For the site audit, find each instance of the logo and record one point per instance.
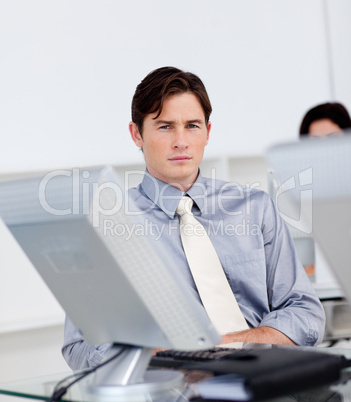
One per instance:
(293, 199)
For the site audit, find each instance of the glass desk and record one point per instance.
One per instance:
(41, 388)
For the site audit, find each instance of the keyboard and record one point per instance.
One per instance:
(176, 358)
(269, 372)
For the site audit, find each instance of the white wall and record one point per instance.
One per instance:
(29, 354)
(338, 24)
(68, 70)
(20, 357)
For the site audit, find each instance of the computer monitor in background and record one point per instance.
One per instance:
(91, 246)
(314, 177)
(309, 253)
(301, 236)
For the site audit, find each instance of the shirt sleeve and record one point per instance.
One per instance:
(77, 353)
(295, 308)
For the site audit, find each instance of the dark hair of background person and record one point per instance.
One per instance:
(335, 112)
(151, 93)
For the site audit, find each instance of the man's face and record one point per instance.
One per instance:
(173, 144)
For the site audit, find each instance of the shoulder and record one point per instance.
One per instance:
(134, 192)
(244, 200)
(231, 189)
(138, 199)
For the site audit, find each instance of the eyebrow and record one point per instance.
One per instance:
(200, 121)
(170, 122)
(163, 122)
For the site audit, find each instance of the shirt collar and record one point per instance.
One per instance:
(167, 197)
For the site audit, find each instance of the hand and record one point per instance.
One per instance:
(158, 350)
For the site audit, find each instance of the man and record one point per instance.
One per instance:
(170, 123)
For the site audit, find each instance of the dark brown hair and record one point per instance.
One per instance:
(151, 93)
(335, 112)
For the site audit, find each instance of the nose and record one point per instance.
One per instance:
(180, 139)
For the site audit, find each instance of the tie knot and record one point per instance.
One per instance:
(184, 206)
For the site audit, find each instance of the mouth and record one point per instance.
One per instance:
(180, 158)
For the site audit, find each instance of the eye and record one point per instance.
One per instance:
(165, 127)
(193, 125)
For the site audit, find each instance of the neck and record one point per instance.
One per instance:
(183, 184)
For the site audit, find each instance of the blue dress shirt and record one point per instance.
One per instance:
(253, 245)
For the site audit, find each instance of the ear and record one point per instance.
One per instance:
(136, 136)
(209, 125)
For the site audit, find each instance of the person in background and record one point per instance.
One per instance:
(324, 120)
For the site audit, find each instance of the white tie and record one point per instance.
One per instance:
(211, 282)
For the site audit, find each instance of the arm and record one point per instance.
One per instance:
(295, 308)
(258, 335)
(77, 353)
(270, 283)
